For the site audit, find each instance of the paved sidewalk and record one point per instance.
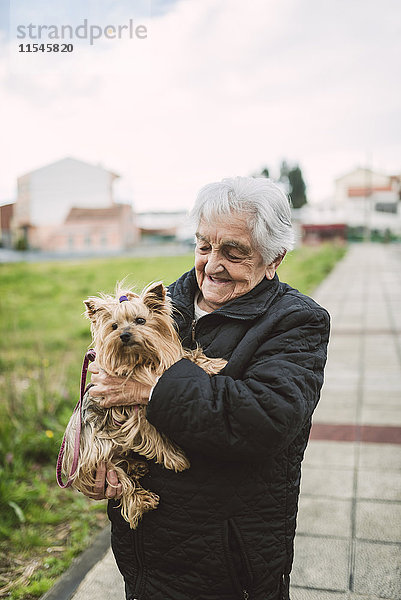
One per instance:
(348, 543)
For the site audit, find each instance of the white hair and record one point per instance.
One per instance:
(265, 204)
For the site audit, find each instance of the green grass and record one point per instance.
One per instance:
(305, 268)
(44, 337)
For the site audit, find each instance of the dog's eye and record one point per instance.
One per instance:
(140, 321)
(114, 326)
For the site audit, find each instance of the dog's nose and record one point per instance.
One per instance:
(125, 337)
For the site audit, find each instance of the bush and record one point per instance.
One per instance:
(21, 244)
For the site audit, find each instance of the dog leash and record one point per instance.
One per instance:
(89, 357)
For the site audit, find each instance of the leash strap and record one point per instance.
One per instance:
(89, 357)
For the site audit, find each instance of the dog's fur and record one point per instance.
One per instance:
(133, 339)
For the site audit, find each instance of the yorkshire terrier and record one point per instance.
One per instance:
(133, 337)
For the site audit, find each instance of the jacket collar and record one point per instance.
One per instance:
(249, 306)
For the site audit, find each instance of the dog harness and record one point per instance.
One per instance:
(89, 357)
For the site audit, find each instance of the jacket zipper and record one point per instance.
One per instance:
(193, 327)
(232, 529)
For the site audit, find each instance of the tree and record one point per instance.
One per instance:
(292, 178)
(293, 182)
(297, 187)
(263, 173)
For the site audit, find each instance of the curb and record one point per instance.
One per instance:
(65, 587)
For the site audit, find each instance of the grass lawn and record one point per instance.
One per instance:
(44, 337)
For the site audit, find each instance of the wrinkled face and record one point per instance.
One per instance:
(226, 263)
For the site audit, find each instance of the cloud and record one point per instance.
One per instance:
(217, 89)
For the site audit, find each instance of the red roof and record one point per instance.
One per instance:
(340, 227)
(96, 214)
(354, 192)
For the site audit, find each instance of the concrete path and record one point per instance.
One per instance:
(348, 543)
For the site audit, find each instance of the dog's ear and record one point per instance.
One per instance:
(93, 305)
(154, 296)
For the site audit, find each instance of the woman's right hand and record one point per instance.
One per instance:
(110, 390)
(106, 485)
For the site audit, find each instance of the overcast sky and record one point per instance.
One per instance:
(218, 88)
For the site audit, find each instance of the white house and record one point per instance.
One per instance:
(46, 196)
(363, 199)
(369, 199)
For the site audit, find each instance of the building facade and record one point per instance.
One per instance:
(370, 200)
(49, 199)
(95, 230)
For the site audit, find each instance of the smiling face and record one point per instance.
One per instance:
(226, 263)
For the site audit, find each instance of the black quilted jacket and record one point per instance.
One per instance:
(224, 529)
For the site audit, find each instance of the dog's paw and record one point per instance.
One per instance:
(176, 462)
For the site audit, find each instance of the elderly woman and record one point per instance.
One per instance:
(225, 527)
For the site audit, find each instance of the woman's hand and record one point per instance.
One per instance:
(106, 485)
(109, 390)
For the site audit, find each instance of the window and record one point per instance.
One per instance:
(386, 207)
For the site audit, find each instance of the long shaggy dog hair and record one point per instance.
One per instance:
(134, 337)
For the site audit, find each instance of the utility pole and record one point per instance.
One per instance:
(368, 200)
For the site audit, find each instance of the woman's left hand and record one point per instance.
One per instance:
(109, 390)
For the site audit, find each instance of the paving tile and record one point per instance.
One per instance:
(376, 365)
(379, 485)
(385, 386)
(336, 380)
(380, 456)
(323, 516)
(331, 454)
(386, 344)
(344, 359)
(363, 597)
(332, 397)
(103, 581)
(380, 521)
(321, 563)
(375, 399)
(333, 414)
(387, 374)
(352, 596)
(340, 342)
(378, 570)
(306, 594)
(318, 481)
(380, 416)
